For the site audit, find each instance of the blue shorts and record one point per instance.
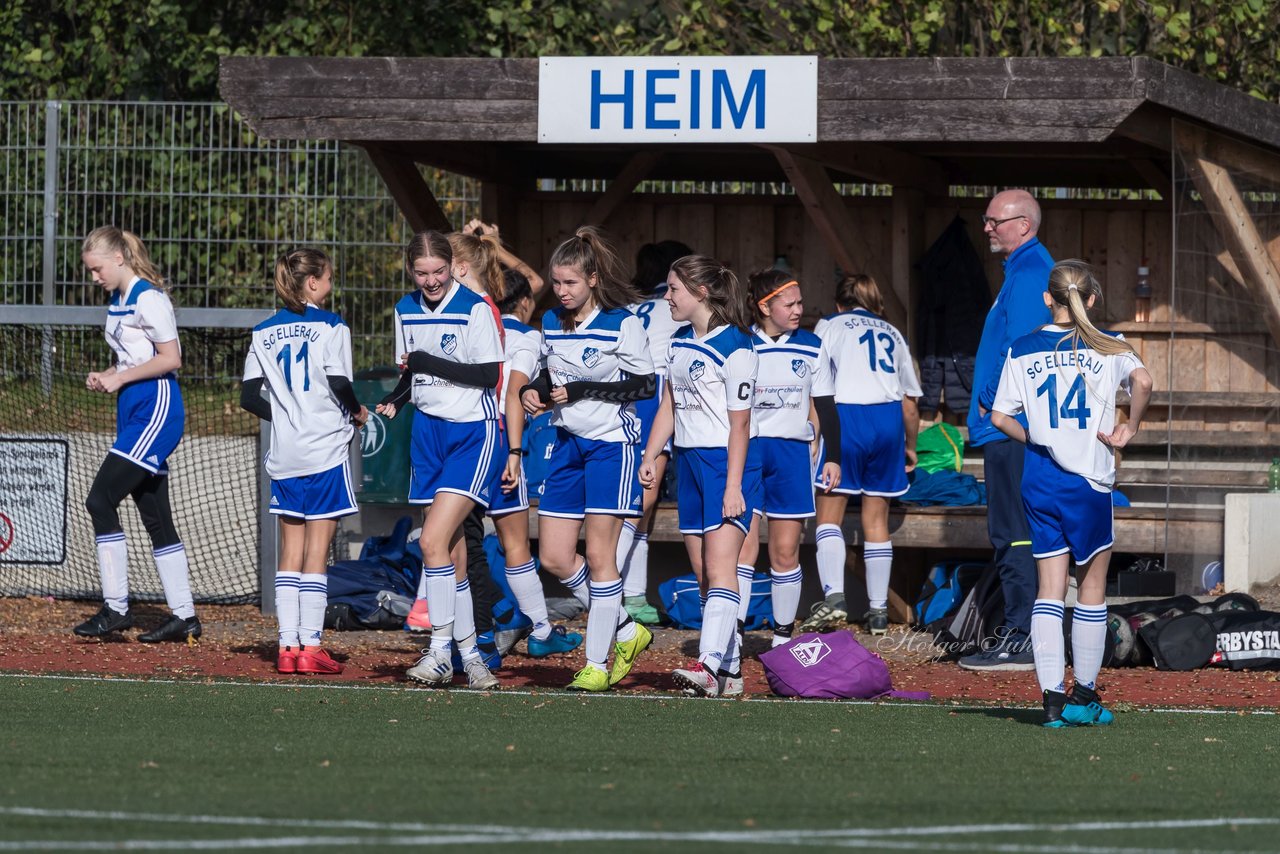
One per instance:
(149, 421)
(449, 456)
(700, 482)
(873, 450)
(590, 476)
(326, 495)
(647, 410)
(1065, 513)
(501, 503)
(786, 475)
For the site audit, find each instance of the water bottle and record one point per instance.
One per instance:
(1273, 476)
(1142, 295)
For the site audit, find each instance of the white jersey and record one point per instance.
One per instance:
(707, 379)
(784, 385)
(655, 314)
(523, 347)
(296, 354)
(868, 360)
(138, 318)
(462, 329)
(1068, 398)
(608, 346)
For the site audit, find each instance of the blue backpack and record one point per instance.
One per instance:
(945, 588)
(683, 604)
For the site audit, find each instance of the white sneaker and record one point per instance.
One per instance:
(697, 680)
(478, 676)
(434, 668)
(731, 686)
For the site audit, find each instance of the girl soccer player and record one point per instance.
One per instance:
(143, 334)
(790, 368)
(653, 263)
(1062, 379)
(453, 359)
(711, 371)
(874, 382)
(597, 366)
(510, 505)
(302, 354)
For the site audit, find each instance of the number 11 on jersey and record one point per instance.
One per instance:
(286, 366)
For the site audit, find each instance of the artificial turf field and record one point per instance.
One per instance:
(93, 764)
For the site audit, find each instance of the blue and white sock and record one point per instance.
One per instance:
(784, 588)
(831, 559)
(464, 621)
(113, 568)
(626, 626)
(442, 595)
(1047, 643)
(1088, 642)
(287, 584)
(635, 575)
(626, 536)
(746, 578)
(313, 596)
(527, 587)
(719, 621)
(602, 620)
(577, 584)
(175, 578)
(878, 558)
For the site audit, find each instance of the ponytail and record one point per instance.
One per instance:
(292, 271)
(590, 252)
(108, 238)
(1071, 283)
(720, 289)
(860, 291)
(480, 252)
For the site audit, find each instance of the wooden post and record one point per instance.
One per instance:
(409, 190)
(500, 205)
(908, 246)
(827, 210)
(636, 170)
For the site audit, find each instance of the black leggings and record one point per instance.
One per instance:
(119, 477)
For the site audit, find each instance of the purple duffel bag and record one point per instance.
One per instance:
(829, 666)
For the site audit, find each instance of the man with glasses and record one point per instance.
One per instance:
(1010, 224)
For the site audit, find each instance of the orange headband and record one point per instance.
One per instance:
(763, 303)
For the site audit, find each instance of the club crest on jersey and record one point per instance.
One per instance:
(590, 356)
(800, 367)
(696, 369)
(448, 343)
(811, 652)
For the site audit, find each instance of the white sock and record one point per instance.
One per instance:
(831, 559)
(527, 587)
(878, 558)
(719, 622)
(113, 567)
(635, 580)
(602, 620)
(626, 536)
(785, 589)
(171, 563)
(577, 584)
(1046, 641)
(626, 627)
(1088, 642)
(441, 594)
(287, 584)
(464, 621)
(313, 596)
(422, 584)
(746, 579)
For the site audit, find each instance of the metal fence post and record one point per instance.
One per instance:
(268, 530)
(52, 113)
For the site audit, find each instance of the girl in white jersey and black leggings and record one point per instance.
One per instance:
(1057, 395)
(596, 366)
(450, 343)
(143, 335)
(711, 369)
(302, 355)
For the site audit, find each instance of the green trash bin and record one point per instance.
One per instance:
(384, 443)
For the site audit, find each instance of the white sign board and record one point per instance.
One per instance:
(678, 99)
(33, 500)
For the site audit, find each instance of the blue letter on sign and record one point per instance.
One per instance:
(652, 98)
(625, 99)
(722, 94)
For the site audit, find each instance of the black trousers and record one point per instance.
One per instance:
(118, 478)
(484, 592)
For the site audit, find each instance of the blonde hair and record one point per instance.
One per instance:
(292, 271)
(1071, 283)
(723, 293)
(860, 291)
(108, 238)
(480, 253)
(589, 251)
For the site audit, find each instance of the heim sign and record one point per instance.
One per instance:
(678, 99)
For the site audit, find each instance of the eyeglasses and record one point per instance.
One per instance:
(996, 223)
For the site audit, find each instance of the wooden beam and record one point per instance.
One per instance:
(907, 247)
(409, 190)
(826, 209)
(1257, 163)
(880, 164)
(1233, 222)
(1155, 176)
(636, 170)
